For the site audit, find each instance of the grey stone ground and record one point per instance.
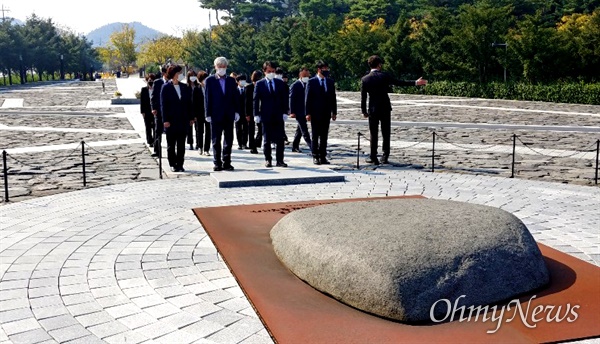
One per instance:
(128, 262)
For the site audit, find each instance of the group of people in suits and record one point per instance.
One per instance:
(218, 104)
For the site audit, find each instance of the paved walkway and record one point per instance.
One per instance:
(130, 263)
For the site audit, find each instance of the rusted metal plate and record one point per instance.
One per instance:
(294, 312)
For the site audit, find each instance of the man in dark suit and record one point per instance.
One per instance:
(298, 109)
(241, 126)
(271, 110)
(176, 109)
(146, 109)
(253, 142)
(155, 104)
(221, 103)
(376, 85)
(321, 108)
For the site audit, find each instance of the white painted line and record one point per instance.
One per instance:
(69, 130)
(98, 104)
(342, 100)
(498, 108)
(24, 150)
(12, 103)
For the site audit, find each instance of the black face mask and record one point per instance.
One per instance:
(325, 73)
(150, 83)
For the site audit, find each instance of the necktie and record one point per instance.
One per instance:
(323, 85)
(271, 86)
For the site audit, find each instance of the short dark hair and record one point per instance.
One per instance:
(269, 64)
(321, 64)
(202, 75)
(279, 71)
(163, 69)
(150, 77)
(240, 77)
(172, 70)
(256, 75)
(375, 61)
(303, 68)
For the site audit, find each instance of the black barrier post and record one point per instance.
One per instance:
(5, 170)
(358, 153)
(160, 157)
(83, 161)
(433, 154)
(597, 156)
(512, 174)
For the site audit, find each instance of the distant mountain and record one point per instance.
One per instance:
(101, 36)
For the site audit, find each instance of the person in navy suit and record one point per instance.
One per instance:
(146, 108)
(255, 141)
(298, 109)
(241, 126)
(376, 86)
(155, 105)
(271, 110)
(176, 109)
(321, 108)
(221, 104)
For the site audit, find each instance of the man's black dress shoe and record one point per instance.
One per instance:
(268, 164)
(228, 167)
(174, 169)
(316, 161)
(281, 164)
(217, 168)
(325, 161)
(372, 161)
(296, 150)
(253, 151)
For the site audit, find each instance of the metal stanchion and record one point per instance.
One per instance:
(512, 174)
(433, 154)
(5, 170)
(597, 157)
(358, 153)
(83, 162)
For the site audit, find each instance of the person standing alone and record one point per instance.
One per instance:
(298, 109)
(376, 86)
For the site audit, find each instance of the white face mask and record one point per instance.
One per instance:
(279, 76)
(193, 79)
(243, 83)
(305, 79)
(221, 71)
(270, 76)
(180, 78)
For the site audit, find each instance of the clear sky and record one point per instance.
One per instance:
(85, 16)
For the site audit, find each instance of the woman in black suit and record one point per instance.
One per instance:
(176, 106)
(146, 109)
(200, 114)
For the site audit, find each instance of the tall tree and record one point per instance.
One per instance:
(123, 42)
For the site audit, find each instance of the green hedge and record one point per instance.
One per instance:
(577, 93)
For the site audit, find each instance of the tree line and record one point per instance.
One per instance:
(39, 48)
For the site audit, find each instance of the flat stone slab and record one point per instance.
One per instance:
(124, 101)
(398, 258)
(275, 176)
(12, 103)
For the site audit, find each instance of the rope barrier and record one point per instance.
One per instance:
(560, 156)
(471, 148)
(54, 163)
(115, 156)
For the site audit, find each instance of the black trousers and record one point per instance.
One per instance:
(273, 132)
(222, 130)
(251, 131)
(386, 124)
(158, 131)
(176, 148)
(259, 135)
(241, 131)
(320, 133)
(302, 132)
(190, 135)
(207, 138)
(149, 124)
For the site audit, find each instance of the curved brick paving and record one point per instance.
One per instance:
(130, 263)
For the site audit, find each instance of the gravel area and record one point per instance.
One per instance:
(90, 121)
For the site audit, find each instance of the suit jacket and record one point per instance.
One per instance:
(271, 107)
(145, 106)
(297, 99)
(198, 103)
(177, 111)
(249, 101)
(376, 85)
(155, 97)
(243, 97)
(320, 104)
(218, 106)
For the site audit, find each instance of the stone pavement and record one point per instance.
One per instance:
(130, 263)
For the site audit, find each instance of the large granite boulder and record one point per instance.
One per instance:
(396, 258)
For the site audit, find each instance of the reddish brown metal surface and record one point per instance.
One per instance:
(294, 312)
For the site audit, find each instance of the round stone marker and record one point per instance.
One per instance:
(396, 258)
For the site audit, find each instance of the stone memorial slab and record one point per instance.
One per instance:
(275, 176)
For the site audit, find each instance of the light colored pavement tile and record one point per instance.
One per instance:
(66, 334)
(33, 336)
(128, 337)
(95, 318)
(19, 326)
(58, 322)
(162, 310)
(224, 317)
(15, 314)
(49, 312)
(107, 329)
(184, 300)
(180, 337)
(89, 339)
(180, 319)
(152, 331)
(203, 328)
(123, 310)
(137, 320)
(148, 300)
(237, 332)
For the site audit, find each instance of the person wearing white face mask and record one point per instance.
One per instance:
(241, 126)
(176, 106)
(202, 126)
(298, 110)
(222, 107)
(192, 82)
(271, 109)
